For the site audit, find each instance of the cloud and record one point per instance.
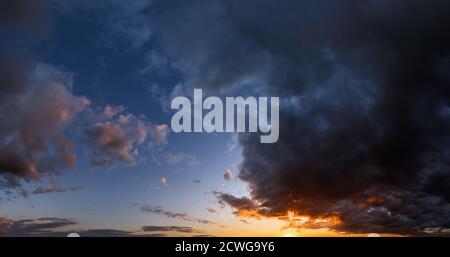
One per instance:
(60, 227)
(111, 233)
(366, 122)
(164, 96)
(111, 140)
(33, 227)
(228, 175)
(104, 233)
(203, 221)
(113, 135)
(170, 228)
(33, 122)
(233, 143)
(243, 206)
(212, 211)
(182, 159)
(161, 210)
(52, 226)
(159, 133)
(163, 181)
(36, 102)
(364, 109)
(54, 188)
(200, 67)
(4, 225)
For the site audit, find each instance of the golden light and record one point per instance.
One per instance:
(290, 232)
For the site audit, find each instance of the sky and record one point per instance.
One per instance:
(86, 144)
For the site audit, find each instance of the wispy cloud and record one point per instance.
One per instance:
(212, 211)
(181, 158)
(162, 211)
(54, 188)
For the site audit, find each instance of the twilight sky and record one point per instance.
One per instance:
(85, 140)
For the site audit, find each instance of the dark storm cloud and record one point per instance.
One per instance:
(365, 102)
(374, 125)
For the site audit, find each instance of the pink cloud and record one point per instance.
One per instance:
(228, 175)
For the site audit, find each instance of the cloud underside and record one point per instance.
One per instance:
(365, 91)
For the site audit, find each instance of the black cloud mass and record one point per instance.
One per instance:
(365, 103)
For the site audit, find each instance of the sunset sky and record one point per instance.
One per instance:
(85, 138)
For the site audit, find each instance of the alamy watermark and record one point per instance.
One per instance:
(212, 121)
